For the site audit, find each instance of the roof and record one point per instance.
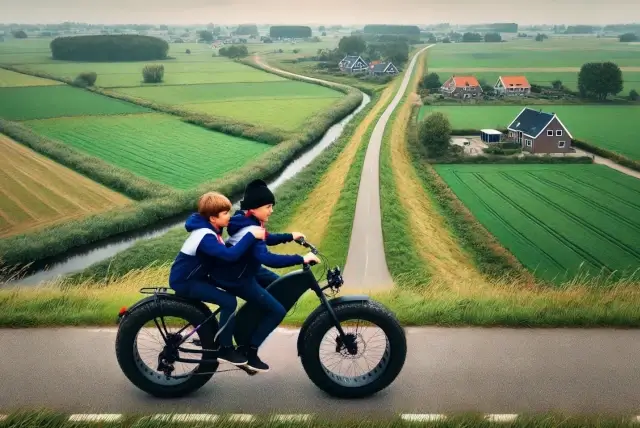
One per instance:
(462, 81)
(491, 131)
(515, 82)
(532, 122)
(351, 60)
(379, 66)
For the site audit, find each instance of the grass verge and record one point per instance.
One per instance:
(53, 419)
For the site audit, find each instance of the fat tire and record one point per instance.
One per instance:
(131, 325)
(366, 310)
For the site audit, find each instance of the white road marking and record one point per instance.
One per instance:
(89, 417)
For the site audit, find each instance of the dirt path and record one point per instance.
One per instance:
(366, 266)
(516, 69)
(611, 164)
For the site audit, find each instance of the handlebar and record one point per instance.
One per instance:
(334, 276)
(305, 244)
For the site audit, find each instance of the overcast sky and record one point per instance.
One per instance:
(321, 11)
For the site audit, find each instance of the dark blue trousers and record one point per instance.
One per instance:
(207, 292)
(265, 277)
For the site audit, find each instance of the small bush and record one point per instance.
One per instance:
(153, 73)
(188, 51)
(633, 95)
(87, 78)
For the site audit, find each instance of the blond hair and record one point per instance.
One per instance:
(212, 204)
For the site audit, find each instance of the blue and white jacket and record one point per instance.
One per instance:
(249, 263)
(205, 251)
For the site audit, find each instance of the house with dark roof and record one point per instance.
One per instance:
(353, 64)
(379, 68)
(512, 85)
(539, 132)
(461, 87)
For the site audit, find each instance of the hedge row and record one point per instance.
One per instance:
(526, 159)
(289, 31)
(622, 160)
(118, 179)
(56, 240)
(106, 48)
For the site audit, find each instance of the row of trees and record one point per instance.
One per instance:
(109, 48)
(629, 37)
(289, 31)
(396, 51)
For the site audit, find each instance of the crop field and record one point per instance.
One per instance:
(555, 218)
(284, 105)
(553, 52)
(41, 102)
(613, 127)
(37, 192)
(156, 146)
(11, 78)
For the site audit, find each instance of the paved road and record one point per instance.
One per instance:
(447, 370)
(366, 267)
(608, 162)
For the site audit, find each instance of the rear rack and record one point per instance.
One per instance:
(156, 290)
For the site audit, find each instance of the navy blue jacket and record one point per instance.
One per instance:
(245, 269)
(204, 251)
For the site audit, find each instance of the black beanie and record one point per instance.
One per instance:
(256, 195)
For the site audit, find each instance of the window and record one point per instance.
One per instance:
(529, 143)
(549, 132)
(561, 144)
(559, 133)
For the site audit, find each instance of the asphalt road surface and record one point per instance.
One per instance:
(366, 267)
(447, 370)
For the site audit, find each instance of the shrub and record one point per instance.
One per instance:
(234, 51)
(87, 78)
(153, 73)
(20, 34)
(434, 134)
(633, 95)
(108, 48)
(188, 51)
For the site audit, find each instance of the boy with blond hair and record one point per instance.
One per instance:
(203, 251)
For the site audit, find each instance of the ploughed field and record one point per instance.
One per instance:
(558, 220)
(156, 146)
(613, 127)
(36, 192)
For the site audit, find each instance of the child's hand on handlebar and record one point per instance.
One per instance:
(310, 257)
(259, 233)
(298, 235)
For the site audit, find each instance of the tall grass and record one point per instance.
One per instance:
(37, 418)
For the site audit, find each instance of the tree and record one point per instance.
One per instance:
(599, 79)
(629, 37)
(633, 95)
(324, 33)
(207, 36)
(153, 73)
(396, 52)
(492, 37)
(234, 51)
(557, 84)
(431, 81)
(20, 34)
(109, 48)
(471, 37)
(434, 134)
(540, 37)
(352, 45)
(322, 28)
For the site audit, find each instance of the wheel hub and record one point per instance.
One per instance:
(348, 347)
(169, 354)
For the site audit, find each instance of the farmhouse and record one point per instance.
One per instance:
(539, 132)
(353, 64)
(512, 85)
(461, 87)
(378, 68)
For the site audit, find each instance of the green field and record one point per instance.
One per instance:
(156, 146)
(612, 127)
(554, 218)
(42, 102)
(284, 105)
(11, 78)
(553, 52)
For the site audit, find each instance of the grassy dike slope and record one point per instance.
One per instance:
(463, 284)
